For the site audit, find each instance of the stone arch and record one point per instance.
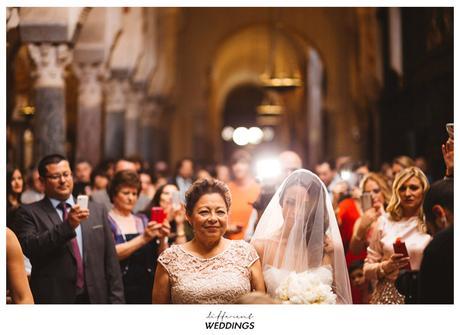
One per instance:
(242, 57)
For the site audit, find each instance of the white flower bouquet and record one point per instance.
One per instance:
(309, 287)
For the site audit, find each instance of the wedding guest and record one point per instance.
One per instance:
(360, 287)
(101, 196)
(167, 197)
(15, 187)
(404, 220)
(71, 248)
(183, 177)
(17, 282)
(137, 241)
(146, 193)
(82, 182)
(222, 173)
(99, 180)
(245, 191)
(400, 163)
(375, 185)
(436, 277)
(202, 173)
(34, 190)
(209, 269)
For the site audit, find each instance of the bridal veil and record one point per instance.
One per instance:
(298, 232)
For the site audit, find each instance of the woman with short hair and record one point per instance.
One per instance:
(209, 269)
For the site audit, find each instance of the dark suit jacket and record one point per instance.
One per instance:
(45, 240)
(436, 276)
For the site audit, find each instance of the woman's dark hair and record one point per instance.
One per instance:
(312, 187)
(9, 177)
(99, 171)
(157, 196)
(124, 178)
(206, 186)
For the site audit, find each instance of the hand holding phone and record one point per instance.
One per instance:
(399, 247)
(366, 201)
(157, 214)
(82, 201)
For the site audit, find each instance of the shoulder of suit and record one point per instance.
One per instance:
(95, 205)
(35, 205)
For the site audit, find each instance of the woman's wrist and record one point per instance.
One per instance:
(382, 272)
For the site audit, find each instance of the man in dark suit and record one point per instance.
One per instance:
(71, 248)
(436, 276)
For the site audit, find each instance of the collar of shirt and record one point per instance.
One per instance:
(56, 202)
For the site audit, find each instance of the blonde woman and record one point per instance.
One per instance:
(404, 220)
(377, 186)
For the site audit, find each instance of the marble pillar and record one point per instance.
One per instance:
(116, 90)
(149, 123)
(134, 102)
(50, 114)
(314, 124)
(89, 119)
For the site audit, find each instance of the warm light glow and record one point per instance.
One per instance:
(255, 135)
(227, 133)
(269, 134)
(241, 136)
(268, 168)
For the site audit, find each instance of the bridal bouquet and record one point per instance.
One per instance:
(309, 287)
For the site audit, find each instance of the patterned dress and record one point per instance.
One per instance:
(217, 280)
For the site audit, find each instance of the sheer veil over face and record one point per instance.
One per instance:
(298, 232)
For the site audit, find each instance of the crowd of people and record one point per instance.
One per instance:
(339, 233)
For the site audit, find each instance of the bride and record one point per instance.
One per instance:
(299, 244)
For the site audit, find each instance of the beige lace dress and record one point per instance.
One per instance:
(217, 280)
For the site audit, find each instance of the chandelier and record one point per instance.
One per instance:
(273, 78)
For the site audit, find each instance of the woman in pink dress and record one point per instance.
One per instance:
(209, 269)
(404, 220)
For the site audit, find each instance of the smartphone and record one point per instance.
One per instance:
(366, 201)
(175, 200)
(157, 214)
(82, 201)
(450, 130)
(399, 247)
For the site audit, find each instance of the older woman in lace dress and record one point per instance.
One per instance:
(208, 269)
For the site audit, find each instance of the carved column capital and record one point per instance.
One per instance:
(151, 113)
(50, 62)
(116, 90)
(90, 87)
(134, 102)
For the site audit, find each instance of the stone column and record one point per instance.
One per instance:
(89, 117)
(50, 117)
(134, 102)
(149, 123)
(116, 89)
(314, 76)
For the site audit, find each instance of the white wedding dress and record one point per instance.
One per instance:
(299, 244)
(274, 277)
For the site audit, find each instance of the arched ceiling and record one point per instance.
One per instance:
(244, 56)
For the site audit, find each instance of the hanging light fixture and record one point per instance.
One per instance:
(273, 78)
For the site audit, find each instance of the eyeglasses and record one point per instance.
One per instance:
(58, 176)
